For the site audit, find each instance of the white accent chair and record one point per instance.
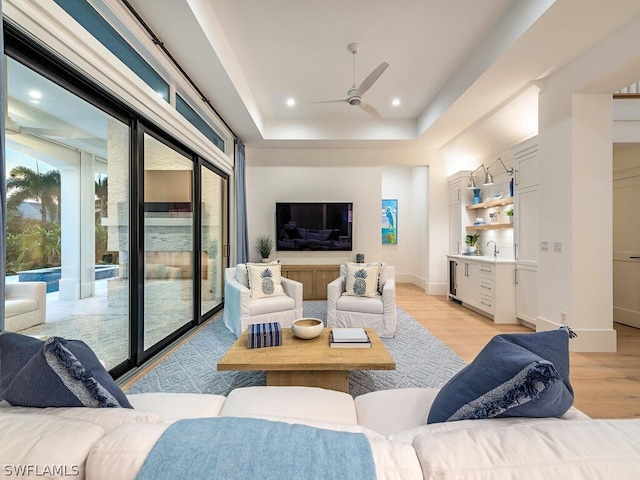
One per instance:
(379, 312)
(240, 310)
(25, 305)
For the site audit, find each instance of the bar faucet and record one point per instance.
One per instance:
(495, 248)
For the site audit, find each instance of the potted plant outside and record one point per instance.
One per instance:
(264, 246)
(472, 242)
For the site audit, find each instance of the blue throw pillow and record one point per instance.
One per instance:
(64, 373)
(15, 351)
(515, 375)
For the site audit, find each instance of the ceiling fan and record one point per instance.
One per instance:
(354, 95)
(12, 128)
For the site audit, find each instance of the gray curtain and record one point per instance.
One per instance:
(3, 175)
(241, 204)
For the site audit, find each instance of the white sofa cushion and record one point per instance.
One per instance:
(294, 402)
(351, 303)
(42, 443)
(536, 449)
(121, 453)
(262, 306)
(175, 406)
(107, 418)
(16, 306)
(393, 411)
(407, 436)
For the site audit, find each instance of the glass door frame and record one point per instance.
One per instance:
(50, 65)
(224, 248)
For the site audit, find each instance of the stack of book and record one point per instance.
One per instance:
(349, 338)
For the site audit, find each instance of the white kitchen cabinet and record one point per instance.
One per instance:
(485, 286)
(526, 238)
(467, 282)
(459, 196)
(527, 293)
(526, 241)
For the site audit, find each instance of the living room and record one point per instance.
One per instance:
(338, 155)
(397, 168)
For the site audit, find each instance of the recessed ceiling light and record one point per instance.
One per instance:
(35, 94)
(291, 102)
(395, 102)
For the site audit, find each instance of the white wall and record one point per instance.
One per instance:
(575, 145)
(407, 185)
(347, 175)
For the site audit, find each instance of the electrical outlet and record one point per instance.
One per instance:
(557, 246)
(544, 246)
(563, 318)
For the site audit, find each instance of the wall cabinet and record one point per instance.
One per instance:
(526, 238)
(459, 197)
(314, 278)
(485, 286)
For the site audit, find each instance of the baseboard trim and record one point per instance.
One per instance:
(587, 340)
(436, 289)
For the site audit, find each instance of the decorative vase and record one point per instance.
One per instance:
(476, 196)
(265, 260)
(472, 249)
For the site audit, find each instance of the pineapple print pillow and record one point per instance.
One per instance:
(362, 279)
(264, 280)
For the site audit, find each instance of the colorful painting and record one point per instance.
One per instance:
(389, 222)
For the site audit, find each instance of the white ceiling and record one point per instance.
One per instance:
(453, 64)
(465, 75)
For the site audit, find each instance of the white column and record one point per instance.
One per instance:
(70, 233)
(592, 166)
(575, 217)
(87, 226)
(78, 230)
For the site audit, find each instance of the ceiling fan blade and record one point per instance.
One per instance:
(342, 100)
(47, 132)
(370, 80)
(370, 110)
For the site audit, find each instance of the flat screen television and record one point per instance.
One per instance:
(314, 226)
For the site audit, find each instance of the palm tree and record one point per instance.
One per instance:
(25, 184)
(102, 192)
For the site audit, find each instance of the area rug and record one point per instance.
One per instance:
(421, 361)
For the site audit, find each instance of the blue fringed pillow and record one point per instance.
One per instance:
(15, 351)
(61, 373)
(515, 375)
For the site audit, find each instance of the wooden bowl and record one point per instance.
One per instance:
(307, 328)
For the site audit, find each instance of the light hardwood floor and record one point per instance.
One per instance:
(606, 385)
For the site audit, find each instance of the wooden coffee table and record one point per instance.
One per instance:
(311, 363)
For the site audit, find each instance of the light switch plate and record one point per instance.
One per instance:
(557, 246)
(544, 246)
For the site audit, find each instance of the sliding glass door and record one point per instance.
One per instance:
(121, 226)
(168, 240)
(213, 226)
(67, 166)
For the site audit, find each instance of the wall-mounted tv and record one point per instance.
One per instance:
(314, 226)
